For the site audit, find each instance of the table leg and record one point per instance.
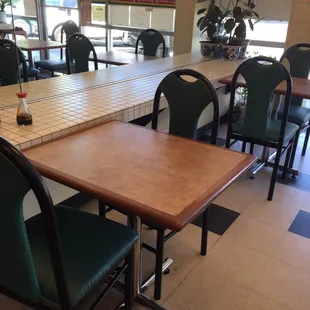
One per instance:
(135, 223)
(30, 60)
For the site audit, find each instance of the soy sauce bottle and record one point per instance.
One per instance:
(23, 116)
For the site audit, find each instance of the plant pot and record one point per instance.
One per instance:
(210, 49)
(230, 52)
(2, 17)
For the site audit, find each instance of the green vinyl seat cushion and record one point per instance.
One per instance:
(297, 114)
(273, 130)
(32, 72)
(51, 64)
(91, 248)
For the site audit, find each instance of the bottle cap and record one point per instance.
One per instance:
(21, 95)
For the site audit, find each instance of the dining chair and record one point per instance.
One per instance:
(78, 50)
(298, 58)
(151, 40)
(11, 58)
(53, 65)
(62, 257)
(262, 75)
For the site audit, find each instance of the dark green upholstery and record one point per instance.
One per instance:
(186, 100)
(9, 63)
(272, 131)
(297, 114)
(51, 64)
(261, 80)
(69, 27)
(91, 248)
(17, 272)
(59, 256)
(298, 57)
(151, 40)
(78, 49)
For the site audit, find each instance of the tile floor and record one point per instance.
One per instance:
(258, 261)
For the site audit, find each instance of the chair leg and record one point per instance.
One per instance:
(159, 262)
(295, 143)
(288, 157)
(102, 209)
(243, 147)
(204, 234)
(252, 148)
(304, 149)
(129, 282)
(274, 174)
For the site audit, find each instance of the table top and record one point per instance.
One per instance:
(160, 177)
(59, 116)
(301, 87)
(64, 85)
(34, 44)
(119, 58)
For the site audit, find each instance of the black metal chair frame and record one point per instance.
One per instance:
(21, 58)
(52, 236)
(279, 146)
(147, 31)
(304, 126)
(161, 237)
(88, 43)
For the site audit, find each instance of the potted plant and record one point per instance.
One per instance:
(211, 23)
(236, 27)
(3, 5)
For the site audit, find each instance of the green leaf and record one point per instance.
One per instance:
(211, 30)
(229, 25)
(251, 24)
(256, 14)
(200, 20)
(201, 11)
(204, 23)
(240, 32)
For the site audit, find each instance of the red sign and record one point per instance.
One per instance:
(166, 3)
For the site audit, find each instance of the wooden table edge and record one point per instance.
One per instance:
(175, 223)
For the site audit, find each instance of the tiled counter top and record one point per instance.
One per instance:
(38, 90)
(63, 115)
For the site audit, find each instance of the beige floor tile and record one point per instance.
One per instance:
(237, 262)
(306, 205)
(258, 302)
(206, 289)
(278, 214)
(295, 250)
(255, 234)
(184, 249)
(286, 285)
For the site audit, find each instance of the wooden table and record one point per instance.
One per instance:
(301, 87)
(30, 45)
(117, 58)
(164, 179)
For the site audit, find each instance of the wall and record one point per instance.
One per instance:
(299, 24)
(184, 20)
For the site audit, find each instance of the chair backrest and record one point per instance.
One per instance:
(78, 49)
(151, 40)
(298, 57)
(18, 275)
(11, 57)
(187, 99)
(69, 27)
(262, 75)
